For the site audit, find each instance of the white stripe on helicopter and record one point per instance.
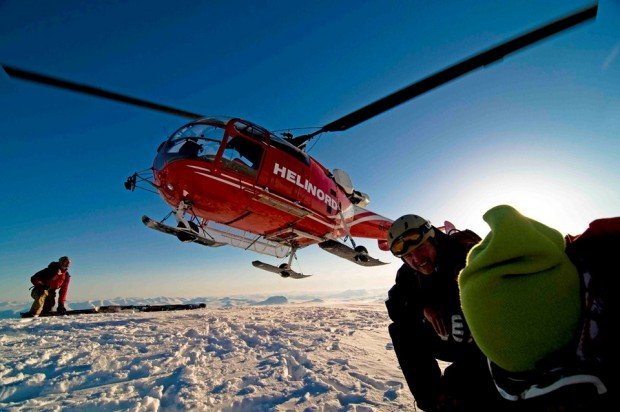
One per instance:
(238, 186)
(370, 217)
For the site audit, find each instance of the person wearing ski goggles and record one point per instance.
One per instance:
(413, 247)
(428, 324)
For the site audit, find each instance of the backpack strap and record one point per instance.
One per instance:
(525, 386)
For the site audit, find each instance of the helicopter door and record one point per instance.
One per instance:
(242, 156)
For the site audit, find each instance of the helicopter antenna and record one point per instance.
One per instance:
(448, 74)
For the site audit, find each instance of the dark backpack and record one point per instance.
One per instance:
(467, 238)
(579, 376)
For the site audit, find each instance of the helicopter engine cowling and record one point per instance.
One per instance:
(343, 180)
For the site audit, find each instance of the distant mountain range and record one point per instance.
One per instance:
(273, 300)
(11, 309)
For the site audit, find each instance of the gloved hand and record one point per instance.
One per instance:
(61, 309)
(438, 321)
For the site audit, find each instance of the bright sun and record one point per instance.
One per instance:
(556, 196)
(552, 201)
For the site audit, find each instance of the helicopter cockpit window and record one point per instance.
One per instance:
(252, 130)
(260, 134)
(196, 140)
(242, 155)
(290, 149)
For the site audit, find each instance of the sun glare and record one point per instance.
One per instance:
(556, 194)
(567, 205)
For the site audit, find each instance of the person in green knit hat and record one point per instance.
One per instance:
(520, 281)
(536, 304)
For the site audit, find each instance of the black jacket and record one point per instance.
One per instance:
(414, 291)
(416, 344)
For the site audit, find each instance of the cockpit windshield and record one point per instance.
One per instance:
(201, 139)
(197, 139)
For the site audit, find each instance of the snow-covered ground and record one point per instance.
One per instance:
(297, 356)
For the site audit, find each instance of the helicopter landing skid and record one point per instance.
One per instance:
(350, 254)
(283, 270)
(181, 233)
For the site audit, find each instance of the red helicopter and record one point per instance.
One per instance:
(232, 182)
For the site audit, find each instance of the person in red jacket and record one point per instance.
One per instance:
(46, 282)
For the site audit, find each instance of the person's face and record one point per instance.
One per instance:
(422, 258)
(64, 265)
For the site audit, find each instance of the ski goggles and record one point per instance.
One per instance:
(409, 240)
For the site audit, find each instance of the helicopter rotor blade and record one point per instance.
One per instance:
(459, 69)
(93, 91)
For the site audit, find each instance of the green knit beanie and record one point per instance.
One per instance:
(519, 291)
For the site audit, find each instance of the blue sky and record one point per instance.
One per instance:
(538, 131)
